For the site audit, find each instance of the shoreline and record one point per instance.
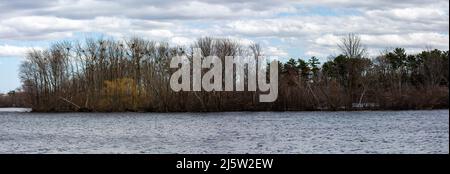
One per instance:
(30, 110)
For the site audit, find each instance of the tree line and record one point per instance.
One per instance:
(15, 98)
(133, 75)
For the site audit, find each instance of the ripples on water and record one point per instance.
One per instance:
(230, 132)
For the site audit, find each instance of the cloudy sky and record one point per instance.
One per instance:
(297, 29)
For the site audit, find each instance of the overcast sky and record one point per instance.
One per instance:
(298, 29)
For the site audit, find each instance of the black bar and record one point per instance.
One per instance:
(147, 162)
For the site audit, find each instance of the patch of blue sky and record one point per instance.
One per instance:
(9, 73)
(24, 43)
(296, 52)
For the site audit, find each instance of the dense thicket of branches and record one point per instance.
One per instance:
(133, 75)
(14, 98)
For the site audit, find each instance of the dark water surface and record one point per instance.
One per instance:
(229, 132)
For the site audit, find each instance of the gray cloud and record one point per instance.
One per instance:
(410, 23)
(150, 9)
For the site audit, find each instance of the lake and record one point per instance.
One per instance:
(227, 132)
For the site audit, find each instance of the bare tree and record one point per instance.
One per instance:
(352, 47)
(111, 75)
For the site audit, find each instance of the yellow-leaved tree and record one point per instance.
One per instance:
(119, 95)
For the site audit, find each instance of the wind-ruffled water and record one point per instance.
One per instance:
(229, 132)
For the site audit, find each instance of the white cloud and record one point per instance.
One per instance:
(288, 24)
(411, 14)
(151, 9)
(14, 51)
(182, 41)
(434, 40)
(273, 27)
(413, 42)
(378, 4)
(244, 41)
(38, 27)
(50, 27)
(274, 51)
(328, 40)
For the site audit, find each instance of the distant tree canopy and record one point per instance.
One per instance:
(16, 98)
(133, 75)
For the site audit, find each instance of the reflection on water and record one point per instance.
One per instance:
(15, 109)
